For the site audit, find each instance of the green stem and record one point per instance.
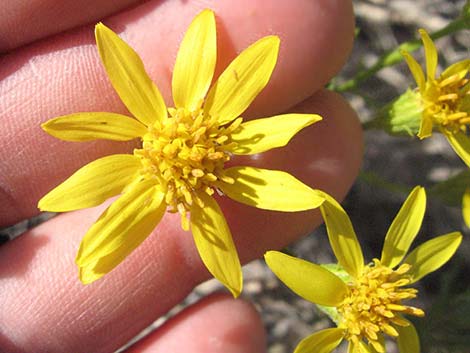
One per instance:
(448, 192)
(392, 57)
(375, 180)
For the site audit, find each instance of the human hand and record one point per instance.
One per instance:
(43, 306)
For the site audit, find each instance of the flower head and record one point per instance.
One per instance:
(181, 162)
(370, 300)
(445, 100)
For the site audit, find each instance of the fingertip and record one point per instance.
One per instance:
(213, 325)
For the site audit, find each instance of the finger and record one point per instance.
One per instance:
(18, 27)
(41, 293)
(213, 325)
(63, 75)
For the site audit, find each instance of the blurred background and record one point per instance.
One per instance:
(391, 166)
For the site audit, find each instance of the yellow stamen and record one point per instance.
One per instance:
(185, 153)
(378, 346)
(197, 173)
(399, 321)
(456, 116)
(415, 311)
(464, 121)
(227, 179)
(389, 330)
(446, 97)
(396, 307)
(402, 269)
(374, 304)
(449, 80)
(445, 102)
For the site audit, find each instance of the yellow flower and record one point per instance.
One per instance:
(445, 100)
(367, 302)
(466, 207)
(184, 149)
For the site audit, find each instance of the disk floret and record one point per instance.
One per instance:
(448, 101)
(373, 304)
(185, 154)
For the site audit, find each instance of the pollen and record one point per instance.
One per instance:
(185, 154)
(447, 101)
(373, 305)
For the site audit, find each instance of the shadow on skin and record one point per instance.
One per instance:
(7, 344)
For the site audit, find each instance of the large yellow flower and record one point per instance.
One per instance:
(181, 162)
(366, 300)
(445, 100)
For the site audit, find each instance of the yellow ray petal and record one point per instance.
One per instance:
(408, 340)
(425, 128)
(92, 184)
(374, 346)
(97, 269)
(92, 126)
(459, 68)
(323, 341)
(415, 69)
(342, 237)
(404, 228)
(88, 274)
(430, 53)
(431, 255)
(261, 135)
(122, 227)
(128, 77)
(242, 80)
(270, 190)
(466, 207)
(460, 143)
(195, 62)
(362, 347)
(312, 282)
(215, 244)
(359, 347)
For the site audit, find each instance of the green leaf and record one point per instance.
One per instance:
(451, 191)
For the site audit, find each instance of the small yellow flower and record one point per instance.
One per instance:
(184, 149)
(368, 302)
(466, 207)
(445, 100)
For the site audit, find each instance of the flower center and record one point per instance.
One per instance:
(374, 304)
(448, 101)
(185, 154)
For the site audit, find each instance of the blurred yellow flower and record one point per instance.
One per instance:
(466, 207)
(445, 100)
(184, 149)
(368, 301)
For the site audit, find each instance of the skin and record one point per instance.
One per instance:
(43, 306)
